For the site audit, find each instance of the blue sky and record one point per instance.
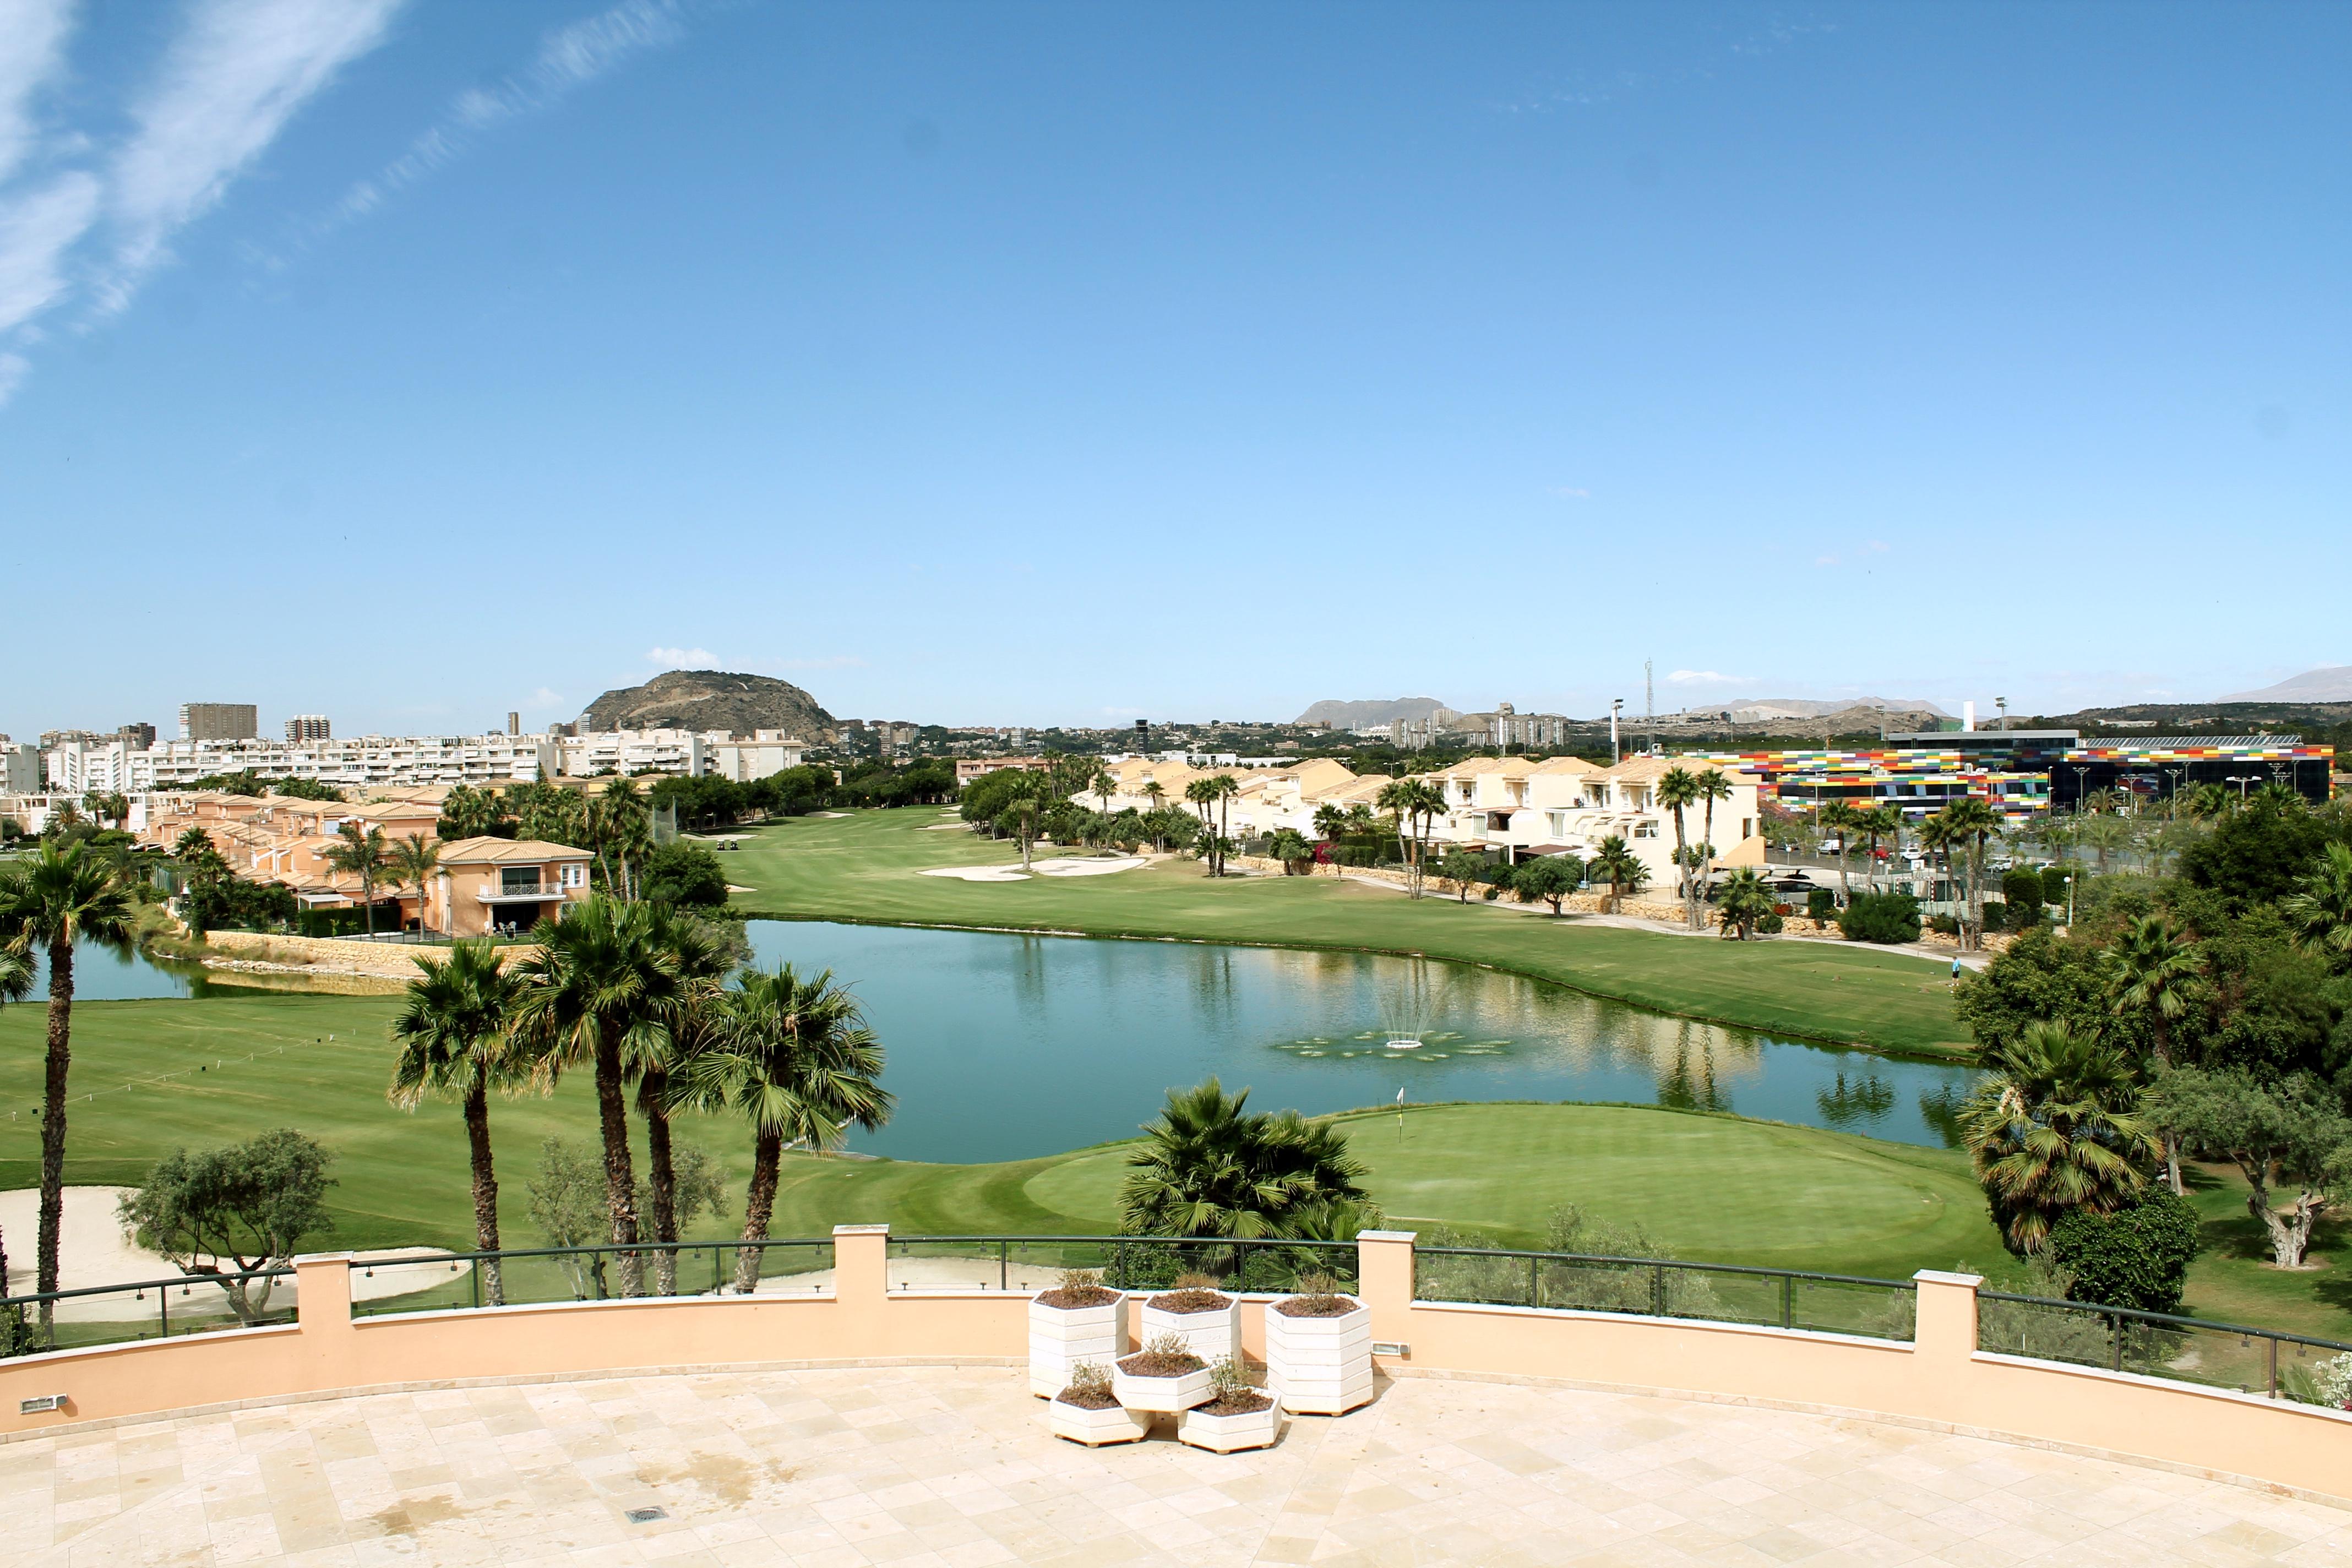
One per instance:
(1013, 363)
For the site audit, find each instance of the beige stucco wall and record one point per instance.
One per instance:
(1939, 1378)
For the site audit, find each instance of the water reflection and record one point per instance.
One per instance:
(1004, 1046)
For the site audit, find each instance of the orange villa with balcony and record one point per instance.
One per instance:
(487, 885)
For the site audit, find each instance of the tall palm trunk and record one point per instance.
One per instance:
(486, 1190)
(2163, 1044)
(53, 1124)
(1683, 872)
(759, 1206)
(661, 1179)
(620, 1176)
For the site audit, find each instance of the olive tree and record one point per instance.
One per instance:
(2292, 1133)
(233, 1211)
(1550, 877)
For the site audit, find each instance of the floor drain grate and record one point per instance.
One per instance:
(646, 1515)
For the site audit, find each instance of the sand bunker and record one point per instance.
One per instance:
(946, 828)
(92, 1251)
(980, 873)
(1088, 868)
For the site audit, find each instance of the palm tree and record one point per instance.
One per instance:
(361, 854)
(55, 899)
(1712, 786)
(1678, 790)
(1156, 793)
(2150, 969)
(1972, 820)
(1208, 1167)
(1222, 789)
(15, 981)
(1879, 821)
(699, 960)
(1618, 865)
(452, 1034)
(193, 842)
(2210, 800)
(620, 828)
(600, 989)
(2320, 908)
(1846, 818)
(2105, 833)
(792, 1056)
(1103, 788)
(1745, 900)
(413, 861)
(2053, 1129)
(1199, 793)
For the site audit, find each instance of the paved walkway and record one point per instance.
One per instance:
(952, 1466)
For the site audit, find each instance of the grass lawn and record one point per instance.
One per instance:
(864, 866)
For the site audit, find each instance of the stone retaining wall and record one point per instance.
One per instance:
(326, 954)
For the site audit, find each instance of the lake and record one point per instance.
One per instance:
(1004, 1047)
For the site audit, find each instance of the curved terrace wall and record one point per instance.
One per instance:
(1939, 1377)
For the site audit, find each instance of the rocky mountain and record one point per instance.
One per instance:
(713, 700)
(1353, 715)
(2329, 683)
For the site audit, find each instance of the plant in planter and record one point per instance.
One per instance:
(1237, 1417)
(1088, 1411)
(1318, 1350)
(1078, 1320)
(1165, 1376)
(1208, 1320)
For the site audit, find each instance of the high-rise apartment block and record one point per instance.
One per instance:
(219, 721)
(307, 727)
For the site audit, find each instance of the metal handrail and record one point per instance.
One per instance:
(35, 1297)
(2168, 1319)
(1669, 1263)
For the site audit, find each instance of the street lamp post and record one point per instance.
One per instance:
(2242, 781)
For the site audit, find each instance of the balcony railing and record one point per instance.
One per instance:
(498, 892)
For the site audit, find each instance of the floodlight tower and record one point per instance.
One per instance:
(1616, 706)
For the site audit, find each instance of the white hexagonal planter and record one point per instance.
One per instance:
(1230, 1434)
(1061, 1337)
(1214, 1336)
(1165, 1395)
(1115, 1423)
(1319, 1366)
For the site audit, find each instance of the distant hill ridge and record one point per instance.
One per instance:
(713, 700)
(2329, 683)
(1807, 708)
(1356, 715)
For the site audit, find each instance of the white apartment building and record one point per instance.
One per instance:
(74, 767)
(1524, 808)
(691, 753)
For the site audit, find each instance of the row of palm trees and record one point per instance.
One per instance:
(638, 995)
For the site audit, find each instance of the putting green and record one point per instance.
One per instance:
(1714, 1188)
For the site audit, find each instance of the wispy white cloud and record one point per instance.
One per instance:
(543, 697)
(681, 658)
(238, 71)
(569, 58)
(12, 373)
(32, 47)
(37, 232)
(1570, 492)
(1707, 678)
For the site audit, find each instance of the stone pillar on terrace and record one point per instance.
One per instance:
(1384, 1281)
(322, 1311)
(1947, 1329)
(861, 1267)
